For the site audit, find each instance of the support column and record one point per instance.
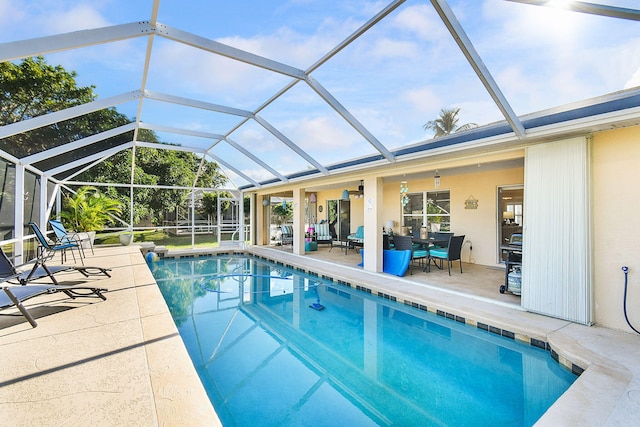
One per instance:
(373, 224)
(261, 223)
(18, 226)
(298, 221)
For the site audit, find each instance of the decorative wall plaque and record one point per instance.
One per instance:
(471, 203)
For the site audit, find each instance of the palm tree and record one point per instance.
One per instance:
(88, 210)
(447, 123)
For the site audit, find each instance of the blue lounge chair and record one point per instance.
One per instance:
(8, 271)
(15, 295)
(64, 236)
(47, 250)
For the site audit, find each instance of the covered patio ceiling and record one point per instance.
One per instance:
(284, 91)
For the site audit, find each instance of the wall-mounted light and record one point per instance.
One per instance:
(436, 180)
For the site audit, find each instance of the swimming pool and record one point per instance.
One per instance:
(274, 346)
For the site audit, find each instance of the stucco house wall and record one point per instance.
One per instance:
(616, 225)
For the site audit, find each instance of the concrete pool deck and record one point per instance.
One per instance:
(122, 362)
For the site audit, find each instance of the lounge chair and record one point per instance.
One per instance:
(40, 270)
(15, 295)
(356, 239)
(47, 250)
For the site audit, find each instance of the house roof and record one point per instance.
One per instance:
(283, 91)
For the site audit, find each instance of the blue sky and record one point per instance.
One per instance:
(393, 79)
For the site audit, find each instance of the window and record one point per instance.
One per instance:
(429, 209)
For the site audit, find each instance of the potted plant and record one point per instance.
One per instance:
(88, 211)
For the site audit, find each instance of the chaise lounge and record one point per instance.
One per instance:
(15, 295)
(40, 270)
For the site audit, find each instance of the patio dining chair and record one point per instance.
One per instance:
(451, 253)
(405, 243)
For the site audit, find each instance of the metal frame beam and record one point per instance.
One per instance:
(56, 43)
(349, 118)
(34, 158)
(451, 22)
(69, 113)
(590, 8)
(212, 46)
(275, 132)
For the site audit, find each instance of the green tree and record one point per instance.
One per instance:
(33, 88)
(447, 123)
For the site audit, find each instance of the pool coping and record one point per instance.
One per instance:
(608, 382)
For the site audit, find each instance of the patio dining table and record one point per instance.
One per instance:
(428, 243)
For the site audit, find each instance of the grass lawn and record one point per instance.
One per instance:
(162, 238)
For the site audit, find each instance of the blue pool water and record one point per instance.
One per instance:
(268, 358)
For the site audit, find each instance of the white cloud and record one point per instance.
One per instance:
(634, 81)
(79, 17)
(420, 20)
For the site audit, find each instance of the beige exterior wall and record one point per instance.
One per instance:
(616, 223)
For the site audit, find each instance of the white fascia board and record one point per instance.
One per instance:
(43, 45)
(345, 114)
(236, 171)
(196, 104)
(256, 159)
(34, 158)
(180, 131)
(227, 51)
(464, 43)
(159, 146)
(275, 132)
(89, 159)
(69, 113)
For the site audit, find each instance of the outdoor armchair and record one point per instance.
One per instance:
(323, 234)
(287, 234)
